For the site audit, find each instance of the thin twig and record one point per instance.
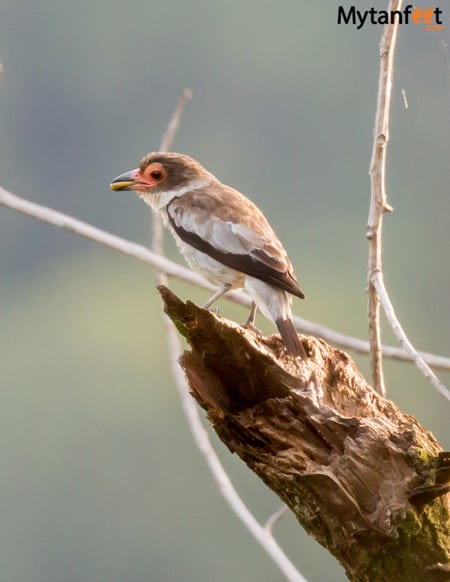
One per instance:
(199, 434)
(380, 288)
(178, 271)
(405, 100)
(270, 523)
(174, 123)
(378, 206)
(378, 199)
(165, 146)
(362, 346)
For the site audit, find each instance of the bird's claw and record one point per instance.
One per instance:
(252, 327)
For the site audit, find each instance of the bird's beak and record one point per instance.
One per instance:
(125, 181)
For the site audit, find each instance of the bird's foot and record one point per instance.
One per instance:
(252, 327)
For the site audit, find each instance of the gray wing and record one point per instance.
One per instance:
(232, 230)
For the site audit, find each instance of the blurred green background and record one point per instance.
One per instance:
(99, 476)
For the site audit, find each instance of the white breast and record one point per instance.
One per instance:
(211, 269)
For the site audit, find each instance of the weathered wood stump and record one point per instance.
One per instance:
(366, 480)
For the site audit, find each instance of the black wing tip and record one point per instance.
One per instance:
(282, 282)
(300, 294)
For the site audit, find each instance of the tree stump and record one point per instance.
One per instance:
(365, 479)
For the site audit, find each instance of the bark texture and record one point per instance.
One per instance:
(366, 480)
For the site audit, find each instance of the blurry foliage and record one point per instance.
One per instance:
(100, 479)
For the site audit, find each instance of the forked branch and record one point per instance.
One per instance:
(378, 197)
(378, 293)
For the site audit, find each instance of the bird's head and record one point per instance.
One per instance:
(160, 173)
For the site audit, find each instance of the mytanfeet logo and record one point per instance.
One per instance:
(430, 18)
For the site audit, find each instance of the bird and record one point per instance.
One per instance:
(222, 235)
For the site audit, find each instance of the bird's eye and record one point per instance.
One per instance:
(156, 174)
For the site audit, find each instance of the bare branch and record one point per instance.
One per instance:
(174, 123)
(165, 146)
(380, 288)
(172, 269)
(363, 347)
(378, 199)
(378, 206)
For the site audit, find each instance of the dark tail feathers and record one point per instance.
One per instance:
(289, 335)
